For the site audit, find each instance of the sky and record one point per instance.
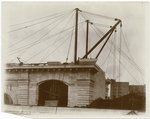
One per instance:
(134, 17)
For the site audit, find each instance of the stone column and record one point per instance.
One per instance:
(85, 91)
(23, 93)
(72, 95)
(33, 93)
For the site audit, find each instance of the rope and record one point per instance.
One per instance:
(58, 36)
(69, 46)
(102, 25)
(125, 68)
(56, 48)
(51, 44)
(107, 57)
(130, 52)
(33, 24)
(42, 39)
(106, 17)
(39, 18)
(82, 28)
(122, 65)
(125, 56)
(120, 57)
(46, 48)
(34, 33)
(42, 36)
(114, 61)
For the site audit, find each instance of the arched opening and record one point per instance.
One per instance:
(53, 93)
(7, 99)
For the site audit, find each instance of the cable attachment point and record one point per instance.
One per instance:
(78, 9)
(116, 19)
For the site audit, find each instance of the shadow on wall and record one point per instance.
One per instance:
(7, 99)
(53, 93)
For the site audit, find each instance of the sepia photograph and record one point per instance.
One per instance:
(75, 59)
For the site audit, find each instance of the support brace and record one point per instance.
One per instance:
(101, 39)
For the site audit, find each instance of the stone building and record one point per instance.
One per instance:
(118, 89)
(54, 83)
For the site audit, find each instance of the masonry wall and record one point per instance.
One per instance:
(11, 88)
(99, 85)
(70, 78)
(83, 85)
(16, 86)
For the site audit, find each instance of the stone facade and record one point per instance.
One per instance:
(85, 82)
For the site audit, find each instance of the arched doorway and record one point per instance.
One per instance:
(53, 93)
(7, 99)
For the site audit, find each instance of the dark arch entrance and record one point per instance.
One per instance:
(7, 99)
(53, 93)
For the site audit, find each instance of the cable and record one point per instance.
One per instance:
(95, 31)
(105, 43)
(32, 24)
(50, 30)
(132, 58)
(56, 48)
(69, 46)
(98, 29)
(59, 35)
(116, 47)
(82, 28)
(43, 50)
(129, 51)
(50, 45)
(126, 57)
(41, 37)
(120, 57)
(34, 33)
(41, 41)
(106, 58)
(107, 63)
(39, 18)
(103, 25)
(122, 64)
(106, 17)
(83, 16)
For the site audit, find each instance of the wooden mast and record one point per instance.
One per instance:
(87, 32)
(76, 36)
